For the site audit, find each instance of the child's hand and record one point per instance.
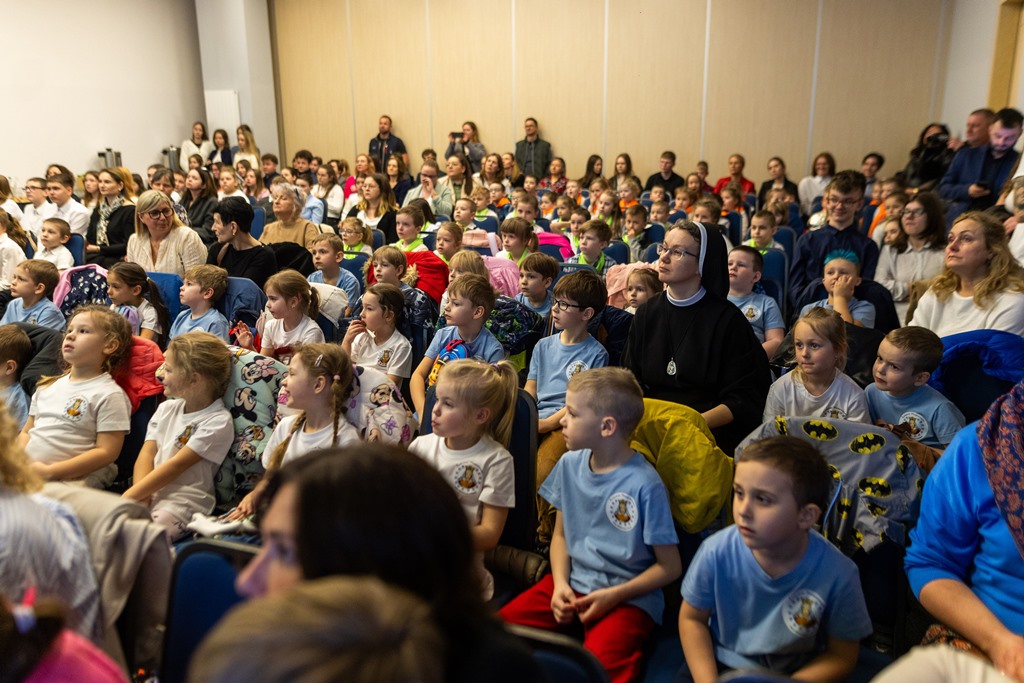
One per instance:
(843, 287)
(244, 336)
(261, 322)
(355, 328)
(244, 509)
(41, 469)
(563, 604)
(549, 424)
(594, 606)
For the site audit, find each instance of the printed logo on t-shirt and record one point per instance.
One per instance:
(835, 413)
(802, 612)
(75, 408)
(751, 312)
(918, 425)
(384, 358)
(622, 511)
(185, 435)
(575, 368)
(467, 477)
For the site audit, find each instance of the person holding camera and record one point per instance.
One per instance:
(974, 178)
(930, 159)
(467, 142)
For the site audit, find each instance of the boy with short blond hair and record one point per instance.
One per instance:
(763, 227)
(471, 299)
(53, 236)
(614, 544)
(745, 266)
(463, 213)
(204, 285)
(769, 592)
(15, 353)
(659, 213)
(900, 395)
(536, 273)
(328, 253)
(595, 235)
(481, 198)
(32, 290)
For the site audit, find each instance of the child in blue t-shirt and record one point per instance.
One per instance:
(614, 544)
(470, 300)
(745, 267)
(32, 288)
(15, 353)
(536, 273)
(842, 274)
(204, 285)
(901, 396)
(328, 253)
(769, 592)
(556, 360)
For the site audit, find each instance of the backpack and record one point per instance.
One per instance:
(79, 286)
(456, 349)
(515, 325)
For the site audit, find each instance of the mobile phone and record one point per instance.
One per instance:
(456, 134)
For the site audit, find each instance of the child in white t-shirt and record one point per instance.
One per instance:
(189, 436)
(77, 422)
(472, 423)
(373, 339)
(293, 303)
(818, 387)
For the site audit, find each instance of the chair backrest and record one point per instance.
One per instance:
(776, 271)
(676, 216)
(202, 591)
(786, 236)
(294, 256)
(522, 519)
(483, 251)
(355, 266)
(977, 367)
(29, 250)
(650, 254)
(243, 301)
(816, 204)
(867, 214)
(618, 250)
(378, 239)
(655, 232)
(552, 250)
(561, 658)
(259, 221)
(441, 218)
(646, 202)
(429, 240)
(795, 221)
(76, 245)
(543, 223)
(735, 227)
(169, 285)
(566, 268)
(488, 223)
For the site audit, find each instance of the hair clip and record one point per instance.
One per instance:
(319, 358)
(337, 378)
(25, 614)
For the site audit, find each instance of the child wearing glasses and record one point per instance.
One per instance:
(556, 359)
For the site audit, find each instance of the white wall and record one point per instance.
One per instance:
(968, 60)
(85, 76)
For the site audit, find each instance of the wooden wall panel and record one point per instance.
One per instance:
(389, 48)
(559, 51)
(875, 78)
(655, 82)
(471, 62)
(314, 116)
(760, 70)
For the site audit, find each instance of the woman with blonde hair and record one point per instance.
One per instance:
(378, 207)
(981, 286)
(161, 242)
(247, 148)
(113, 219)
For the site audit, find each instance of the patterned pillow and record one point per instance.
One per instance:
(376, 408)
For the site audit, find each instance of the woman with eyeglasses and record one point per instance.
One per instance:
(690, 345)
(112, 220)
(162, 243)
(917, 252)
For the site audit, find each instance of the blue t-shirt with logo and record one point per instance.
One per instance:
(761, 312)
(554, 364)
(933, 419)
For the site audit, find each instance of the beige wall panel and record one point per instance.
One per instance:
(315, 115)
(655, 82)
(759, 85)
(473, 86)
(389, 48)
(875, 78)
(559, 56)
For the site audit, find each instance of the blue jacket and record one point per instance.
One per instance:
(966, 170)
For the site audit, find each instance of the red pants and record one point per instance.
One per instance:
(616, 639)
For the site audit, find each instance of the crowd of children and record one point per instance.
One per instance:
(604, 515)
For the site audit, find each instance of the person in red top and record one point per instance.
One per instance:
(736, 165)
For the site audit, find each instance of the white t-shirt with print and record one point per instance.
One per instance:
(394, 356)
(843, 400)
(302, 442)
(284, 341)
(68, 416)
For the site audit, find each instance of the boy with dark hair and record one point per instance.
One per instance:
(328, 253)
(763, 227)
(300, 162)
(900, 396)
(614, 544)
(769, 592)
(269, 163)
(32, 288)
(471, 299)
(38, 209)
(536, 273)
(745, 267)
(843, 199)
(595, 235)
(204, 285)
(60, 188)
(578, 297)
(15, 353)
(635, 231)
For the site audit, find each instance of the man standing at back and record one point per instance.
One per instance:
(533, 155)
(977, 174)
(386, 144)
